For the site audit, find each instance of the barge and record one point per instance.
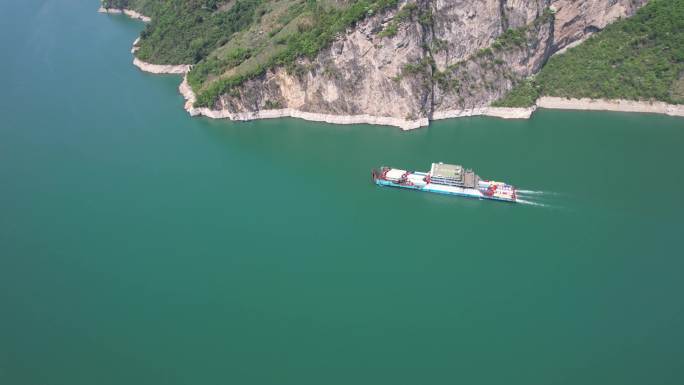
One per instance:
(449, 179)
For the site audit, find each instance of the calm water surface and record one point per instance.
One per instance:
(140, 246)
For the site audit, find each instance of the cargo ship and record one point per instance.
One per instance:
(450, 179)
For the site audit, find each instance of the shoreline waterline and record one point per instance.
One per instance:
(617, 105)
(190, 98)
(128, 12)
(180, 69)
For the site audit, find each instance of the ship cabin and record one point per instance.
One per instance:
(453, 175)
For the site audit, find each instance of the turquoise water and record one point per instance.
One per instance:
(141, 246)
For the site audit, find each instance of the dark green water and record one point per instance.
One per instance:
(140, 246)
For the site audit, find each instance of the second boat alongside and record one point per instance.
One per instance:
(447, 179)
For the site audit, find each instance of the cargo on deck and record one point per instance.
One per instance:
(450, 179)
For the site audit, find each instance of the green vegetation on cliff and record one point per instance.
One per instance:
(231, 41)
(187, 31)
(487, 68)
(404, 13)
(311, 27)
(639, 58)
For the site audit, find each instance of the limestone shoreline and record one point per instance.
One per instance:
(128, 12)
(180, 69)
(498, 112)
(190, 98)
(557, 103)
(187, 92)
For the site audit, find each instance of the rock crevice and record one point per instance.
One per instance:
(450, 58)
(442, 61)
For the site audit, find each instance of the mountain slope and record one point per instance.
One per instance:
(406, 59)
(640, 58)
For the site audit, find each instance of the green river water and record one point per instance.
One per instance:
(141, 246)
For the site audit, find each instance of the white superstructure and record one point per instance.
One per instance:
(445, 179)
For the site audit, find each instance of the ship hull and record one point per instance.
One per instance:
(444, 190)
(415, 181)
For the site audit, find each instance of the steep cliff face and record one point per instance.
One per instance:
(466, 26)
(428, 56)
(351, 77)
(359, 73)
(484, 72)
(576, 20)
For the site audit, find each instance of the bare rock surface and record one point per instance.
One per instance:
(576, 19)
(458, 59)
(611, 105)
(363, 74)
(128, 12)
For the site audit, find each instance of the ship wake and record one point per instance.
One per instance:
(537, 198)
(535, 192)
(531, 203)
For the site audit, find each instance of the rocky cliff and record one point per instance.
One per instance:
(428, 59)
(399, 62)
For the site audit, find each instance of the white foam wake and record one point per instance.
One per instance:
(525, 202)
(531, 192)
